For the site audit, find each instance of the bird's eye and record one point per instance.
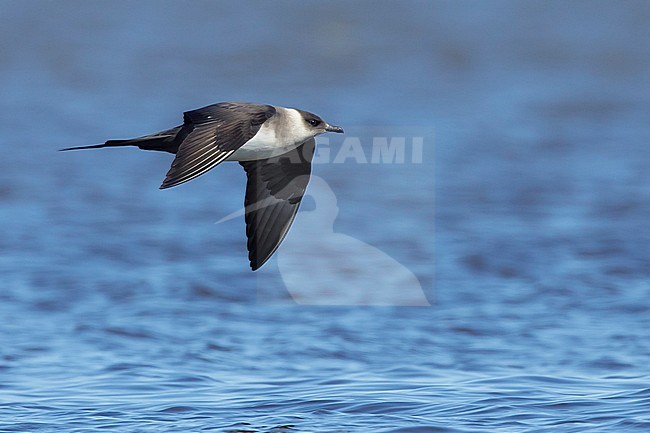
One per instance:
(314, 122)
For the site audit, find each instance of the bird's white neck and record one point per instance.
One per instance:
(283, 132)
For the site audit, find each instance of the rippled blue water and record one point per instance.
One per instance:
(125, 308)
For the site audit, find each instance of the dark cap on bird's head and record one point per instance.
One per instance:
(318, 124)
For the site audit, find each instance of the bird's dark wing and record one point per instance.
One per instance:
(273, 193)
(217, 131)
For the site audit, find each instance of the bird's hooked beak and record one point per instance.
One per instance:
(332, 128)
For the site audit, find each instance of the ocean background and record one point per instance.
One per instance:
(524, 225)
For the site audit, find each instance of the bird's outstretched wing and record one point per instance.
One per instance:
(217, 131)
(274, 190)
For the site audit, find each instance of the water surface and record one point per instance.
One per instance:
(125, 308)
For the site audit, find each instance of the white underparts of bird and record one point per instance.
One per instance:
(275, 145)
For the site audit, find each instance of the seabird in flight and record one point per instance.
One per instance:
(275, 145)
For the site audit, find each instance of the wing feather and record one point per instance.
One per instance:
(217, 131)
(274, 190)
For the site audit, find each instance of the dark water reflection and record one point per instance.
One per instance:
(127, 308)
